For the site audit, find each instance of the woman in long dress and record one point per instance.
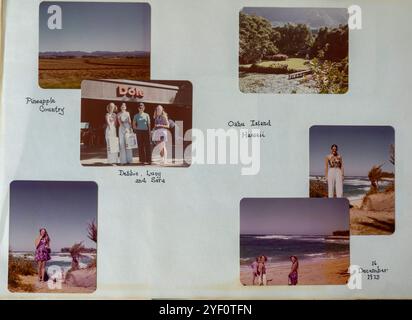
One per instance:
(111, 119)
(125, 126)
(334, 172)
(42, 254)
(161, 126)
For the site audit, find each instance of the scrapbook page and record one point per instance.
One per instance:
(205, 149)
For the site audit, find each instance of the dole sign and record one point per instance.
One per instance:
(129, 91)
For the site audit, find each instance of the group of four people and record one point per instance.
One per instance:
(142, 126)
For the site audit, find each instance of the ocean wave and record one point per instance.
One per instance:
(356, 182)
(338, 241)
(270, 237)
(61, 258)
(290, 237)
(315, 254)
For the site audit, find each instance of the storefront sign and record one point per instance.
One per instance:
(129, 91)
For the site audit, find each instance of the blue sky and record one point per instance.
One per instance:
(293, 216)
(63, 208)
(97, 26)
(361, 147)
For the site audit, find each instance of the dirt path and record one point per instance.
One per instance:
(273, 83)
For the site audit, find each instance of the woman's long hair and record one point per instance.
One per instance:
(163, 113)
(296, 261)
(111, 105)
(46, 235)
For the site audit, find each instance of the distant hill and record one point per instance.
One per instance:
(106, 54)
(315, 18)
(342, 233)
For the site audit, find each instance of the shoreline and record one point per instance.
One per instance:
(312, 271)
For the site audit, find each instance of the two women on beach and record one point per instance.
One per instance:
(142, 126)
(334, 173)
(42, 254)
(259, 271)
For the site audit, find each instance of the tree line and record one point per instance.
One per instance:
(259, 40)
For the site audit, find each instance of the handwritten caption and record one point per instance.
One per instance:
(46, 105)
(251, 124)
(143, 177)
(374, 272)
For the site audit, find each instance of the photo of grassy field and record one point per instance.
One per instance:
(68, 72)
(92, 41)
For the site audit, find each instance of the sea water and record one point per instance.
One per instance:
(279, 248)
(60, 259)
(355, 187)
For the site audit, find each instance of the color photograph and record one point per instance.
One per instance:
(92, 40)
(294, 241)
(357, 163)
(53, 237)
(293, 50)
(136, 123)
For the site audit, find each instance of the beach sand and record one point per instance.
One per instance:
(333, 271)
(68, 287)
(374, 216)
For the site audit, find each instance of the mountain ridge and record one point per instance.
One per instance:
(94, 53)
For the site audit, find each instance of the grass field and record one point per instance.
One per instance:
(293, 64)
(68, 73)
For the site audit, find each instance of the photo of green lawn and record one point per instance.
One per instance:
(293, 50)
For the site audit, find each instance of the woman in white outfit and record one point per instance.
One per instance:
(125, 126)
(334, 173)
(161, 126)
(111, 118)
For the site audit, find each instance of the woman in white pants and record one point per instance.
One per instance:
(125, 126)
(112, 157)
(160, 133)
(334, 173)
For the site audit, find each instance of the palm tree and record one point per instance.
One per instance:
(76, 253)
(92, 235)
(92, 231)
(375, 175)
(392, 154)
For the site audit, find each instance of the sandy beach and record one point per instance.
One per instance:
(42, 287)
(86, 278)
(332, 271)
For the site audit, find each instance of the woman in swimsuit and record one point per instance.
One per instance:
(293, 275)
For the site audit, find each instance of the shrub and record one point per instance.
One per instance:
(274, 68)
(244, 68)
(330, 77)
(277, 57)
(318, 189)
(20, 267)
